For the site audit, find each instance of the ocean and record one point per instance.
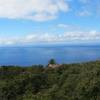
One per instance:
(27, 56)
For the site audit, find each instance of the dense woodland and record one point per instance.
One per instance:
(67, 82)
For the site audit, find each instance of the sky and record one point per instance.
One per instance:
(25, 22)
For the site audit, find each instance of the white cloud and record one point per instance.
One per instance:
(63, 26)
(88, 8)
(51, 38)
(68, 26)
(84, 13)
(85, 1)
(90, 35)
(39, 10)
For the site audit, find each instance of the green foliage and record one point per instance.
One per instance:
(52, 61)
(68, 82)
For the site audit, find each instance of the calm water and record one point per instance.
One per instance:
(40, 55)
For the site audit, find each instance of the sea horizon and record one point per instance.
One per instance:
(41, 54)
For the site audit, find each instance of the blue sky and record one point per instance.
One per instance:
(49, 21)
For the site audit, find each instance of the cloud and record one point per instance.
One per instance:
(63, 25)
(68, 26)
(38, 10)
(86, 8)
(90, 35)
(84, 13)
(85, 1)
(52, 38)
(89, 7)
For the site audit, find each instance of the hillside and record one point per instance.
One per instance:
(67, 82)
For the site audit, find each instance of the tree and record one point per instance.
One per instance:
(52, 61)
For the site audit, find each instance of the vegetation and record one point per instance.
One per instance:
(68, 82)
(52, 61)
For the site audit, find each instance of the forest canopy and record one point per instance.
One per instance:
(67, 82)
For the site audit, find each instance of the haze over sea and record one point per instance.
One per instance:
(31, 55)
